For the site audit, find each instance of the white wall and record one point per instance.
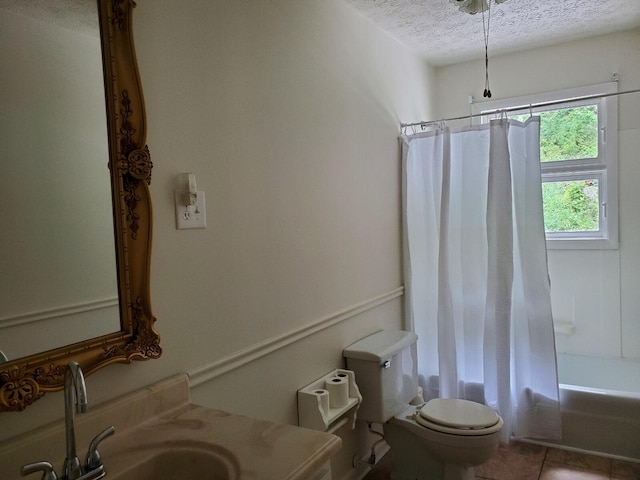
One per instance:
(288, 113)
(597, 290)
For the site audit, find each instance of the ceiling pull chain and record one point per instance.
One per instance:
(487, 90)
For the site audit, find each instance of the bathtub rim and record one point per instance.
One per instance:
(600, 391)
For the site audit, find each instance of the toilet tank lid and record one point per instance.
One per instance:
(381, 345)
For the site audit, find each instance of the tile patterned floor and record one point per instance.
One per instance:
(525, 461)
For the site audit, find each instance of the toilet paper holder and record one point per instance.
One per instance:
(329, 402)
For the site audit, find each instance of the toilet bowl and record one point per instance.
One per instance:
(443, 440)
(440, 440)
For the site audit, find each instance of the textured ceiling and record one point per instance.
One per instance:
(435, 29)
(77, 15)
(443, 35)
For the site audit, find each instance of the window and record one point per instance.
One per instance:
(578, 155)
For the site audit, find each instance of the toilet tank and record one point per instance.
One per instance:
(386, 371)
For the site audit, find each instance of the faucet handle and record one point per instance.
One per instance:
(93, 456)
(45, 467)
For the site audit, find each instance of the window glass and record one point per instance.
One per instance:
(569, 133)
(566, 133)
(571, 205)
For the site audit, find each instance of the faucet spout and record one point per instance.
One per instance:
(75, 398)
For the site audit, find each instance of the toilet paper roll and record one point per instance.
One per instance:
(338, 388)
(323, 400)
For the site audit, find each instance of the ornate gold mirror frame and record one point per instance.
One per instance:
(26, 379)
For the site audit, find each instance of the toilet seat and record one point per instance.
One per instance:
(458, 417)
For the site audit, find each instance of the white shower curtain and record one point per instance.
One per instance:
(476, 280)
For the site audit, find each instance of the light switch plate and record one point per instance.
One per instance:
(190, 216)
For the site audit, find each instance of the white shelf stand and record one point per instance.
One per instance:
(314, 410)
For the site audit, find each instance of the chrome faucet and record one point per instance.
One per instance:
(75, 400)
(75, 392)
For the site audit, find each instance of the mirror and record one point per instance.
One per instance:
(69, 235)
(52, 85)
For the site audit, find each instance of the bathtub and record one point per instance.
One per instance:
(600, 402)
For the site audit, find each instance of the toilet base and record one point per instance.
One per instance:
(416, 459)
(411, 463)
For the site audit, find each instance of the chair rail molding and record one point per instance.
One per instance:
(208, 372)
(64, 311)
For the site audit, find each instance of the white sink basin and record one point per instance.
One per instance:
(180, 462)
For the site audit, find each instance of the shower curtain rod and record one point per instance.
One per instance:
(512, 109)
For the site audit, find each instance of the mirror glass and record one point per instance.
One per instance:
(58, 258)
(75, 203)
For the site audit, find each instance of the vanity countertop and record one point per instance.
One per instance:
(159, 418)
(262, 450)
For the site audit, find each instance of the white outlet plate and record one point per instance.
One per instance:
(190, 216)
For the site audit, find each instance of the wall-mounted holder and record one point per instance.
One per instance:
(330, 402)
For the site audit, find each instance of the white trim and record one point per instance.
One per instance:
(574, 449)
(205, 373)
(581, 240)
(67, 310)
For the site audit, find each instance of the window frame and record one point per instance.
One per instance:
(604, 166)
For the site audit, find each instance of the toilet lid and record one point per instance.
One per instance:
(459, 417)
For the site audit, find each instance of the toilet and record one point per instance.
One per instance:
(442, 439)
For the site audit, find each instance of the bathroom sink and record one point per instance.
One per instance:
(171, 462)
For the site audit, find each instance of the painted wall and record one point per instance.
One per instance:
(288, 113)
(597, 290)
